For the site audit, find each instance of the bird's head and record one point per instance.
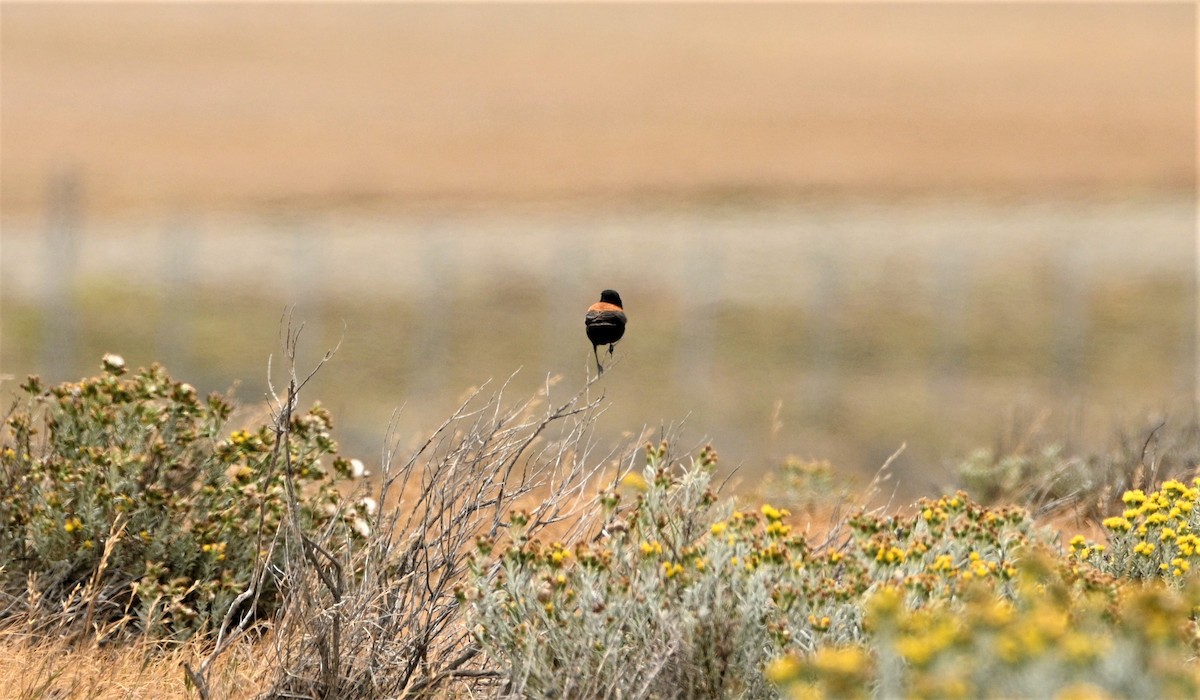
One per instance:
(610, 296)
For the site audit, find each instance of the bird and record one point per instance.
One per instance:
(605, 322)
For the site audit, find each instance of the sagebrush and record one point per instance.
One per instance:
(129, 507)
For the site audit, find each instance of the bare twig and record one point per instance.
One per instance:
(382, 619)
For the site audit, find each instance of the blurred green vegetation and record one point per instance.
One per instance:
(878, 365)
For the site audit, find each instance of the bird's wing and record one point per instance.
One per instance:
(604, 317)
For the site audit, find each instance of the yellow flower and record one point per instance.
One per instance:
(1134, 497)
(771, 512)
(934, 515)
(918, 651)
(1082, 691)
(994, 613)
(1173, 485)
(1080, 648)
(1009, 649)
(843, 661)
(1187, 544)
(1119, 524)
(886, 604)
(635, 481)
(784, 669)
(778, 529)
(1078, 541)
(718, 528)
(820, 623)
(652, 547)
(983, 568)
(559, 554)
(931, 634)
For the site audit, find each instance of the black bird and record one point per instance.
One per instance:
(605, 323)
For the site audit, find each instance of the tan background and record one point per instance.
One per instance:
(237, 106)
(838, 228)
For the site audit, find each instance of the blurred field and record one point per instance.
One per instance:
(772, 331)
(251, 105)
(838, 227)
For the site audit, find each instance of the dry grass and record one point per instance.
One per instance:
(362, 618)
(382, 617)
(45, 669)
(38, 668)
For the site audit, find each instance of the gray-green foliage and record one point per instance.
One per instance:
(680, 596)
(125, 505)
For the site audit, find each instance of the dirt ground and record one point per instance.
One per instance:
(242, 105)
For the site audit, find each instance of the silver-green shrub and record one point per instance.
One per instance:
(680, 595)
(125, 506)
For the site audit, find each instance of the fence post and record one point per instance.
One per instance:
(429, 357)
(949, 304)
(1071, 320)
(64, 220)
(569, 266)
(698, 308)
(307, 272)
(178, 248)
(824, 302)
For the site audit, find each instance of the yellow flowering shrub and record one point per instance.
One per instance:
(1059, 630)
(699, 597)
(1115, 619)
(126, 487)
(681, 594)
(1156, 536)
